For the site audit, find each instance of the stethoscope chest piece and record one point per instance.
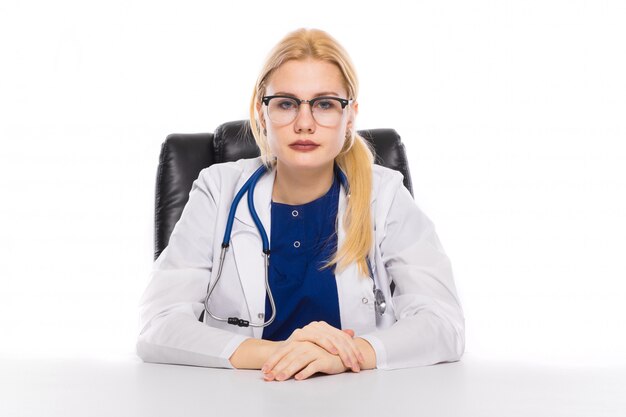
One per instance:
(379, 302)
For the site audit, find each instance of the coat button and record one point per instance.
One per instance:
(261, 315)
(364, 300)
(294, 213)
(296, 244)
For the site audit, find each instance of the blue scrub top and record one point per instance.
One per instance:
(303, 238)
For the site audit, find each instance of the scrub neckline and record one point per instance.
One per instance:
(313, 202)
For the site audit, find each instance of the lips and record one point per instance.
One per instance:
(303, 143)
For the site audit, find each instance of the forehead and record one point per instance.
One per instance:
(306, 79)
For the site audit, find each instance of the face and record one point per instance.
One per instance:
(306, 80)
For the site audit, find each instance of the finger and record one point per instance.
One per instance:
(309, 370)
(314, 333)
(275, 357)
(348, 347)
(331, 339)
(350, 332)
(359, 355)
(351, 355)
(335, 344)
(293, 362)
(356, 349)
(344, 351)
(324, 363)
(356, 352)
(344, 345)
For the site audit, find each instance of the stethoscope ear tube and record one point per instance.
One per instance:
(253, 213)
(248, 186)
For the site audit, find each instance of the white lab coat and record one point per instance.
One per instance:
(423, 323)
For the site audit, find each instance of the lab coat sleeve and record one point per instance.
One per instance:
(171, 304)
(430, 326)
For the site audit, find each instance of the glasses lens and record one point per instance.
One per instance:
(327, 112)
(282, 110)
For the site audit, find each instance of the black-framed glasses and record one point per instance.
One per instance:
(326, 110)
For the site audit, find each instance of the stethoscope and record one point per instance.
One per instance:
(379, 298)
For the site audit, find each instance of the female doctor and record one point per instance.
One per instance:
(340, 230)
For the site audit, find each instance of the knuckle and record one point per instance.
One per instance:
(338, 344)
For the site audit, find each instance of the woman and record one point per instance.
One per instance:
(335, 220)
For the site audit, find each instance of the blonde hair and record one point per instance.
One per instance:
(355, 158)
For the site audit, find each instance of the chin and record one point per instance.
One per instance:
(307, 163)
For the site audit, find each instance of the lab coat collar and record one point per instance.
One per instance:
(263, 197)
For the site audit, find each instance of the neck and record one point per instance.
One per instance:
(296, 187)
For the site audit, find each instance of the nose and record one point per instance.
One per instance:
(304, 119)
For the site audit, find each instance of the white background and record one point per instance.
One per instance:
(512, 113)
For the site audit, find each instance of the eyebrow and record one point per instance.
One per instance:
(324, 93)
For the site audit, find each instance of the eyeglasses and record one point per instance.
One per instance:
(326, 111)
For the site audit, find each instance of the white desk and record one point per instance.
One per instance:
(472, 387)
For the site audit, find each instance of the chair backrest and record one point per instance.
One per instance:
(183, 156)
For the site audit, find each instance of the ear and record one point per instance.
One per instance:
(353, 113)
(259, 111)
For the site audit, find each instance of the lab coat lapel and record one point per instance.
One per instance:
(342, 278)
(247, 247)
(352, 287)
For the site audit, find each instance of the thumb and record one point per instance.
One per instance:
(349, 331)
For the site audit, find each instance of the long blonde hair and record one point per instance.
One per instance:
(355, 158)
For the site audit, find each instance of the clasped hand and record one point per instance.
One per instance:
(317, 347)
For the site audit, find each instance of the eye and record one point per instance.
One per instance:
(285, 104)
(327, 104)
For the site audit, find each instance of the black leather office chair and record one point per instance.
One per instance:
(183, 156)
